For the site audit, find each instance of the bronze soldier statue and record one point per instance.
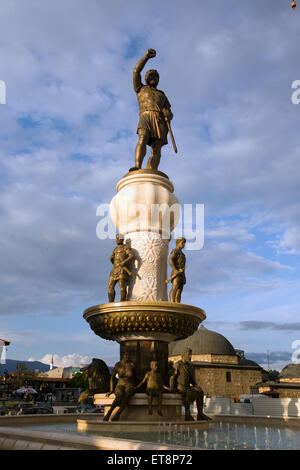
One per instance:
(120, 258)
(154, 387)
(123, 387)
(183, 381)
(177, 262)
(155, 115)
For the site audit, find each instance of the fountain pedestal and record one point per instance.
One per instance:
(144, 329)
(137, 409)
(145, 211)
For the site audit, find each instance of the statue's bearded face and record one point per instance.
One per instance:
(152, 78)
(180, 243)
(119, 240)
(187, 356)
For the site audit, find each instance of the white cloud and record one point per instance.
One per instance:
(290, 241)
(226, 267)
(68, 134)
(228, 231)
(63, 361)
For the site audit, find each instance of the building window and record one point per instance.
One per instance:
(228, 376)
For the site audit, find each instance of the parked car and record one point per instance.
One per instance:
(84, 408)
(98, 409)
(36, 410)
(24, 408)
(42, 410)
(24, 405)
(25, 411)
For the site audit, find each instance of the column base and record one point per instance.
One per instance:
(137, 409)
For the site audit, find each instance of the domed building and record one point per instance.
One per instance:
(290, 373)
(287, 385)
(220, 369)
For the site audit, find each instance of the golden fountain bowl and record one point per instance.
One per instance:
(164, 321)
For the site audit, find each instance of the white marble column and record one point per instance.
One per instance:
(133, 212)
(150, 267)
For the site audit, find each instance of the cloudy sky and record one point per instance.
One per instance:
(68, 133)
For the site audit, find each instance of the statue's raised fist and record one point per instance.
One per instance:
(151, 53)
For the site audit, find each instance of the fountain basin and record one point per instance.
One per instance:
(86, 425)
(49, 432)
(162, 321)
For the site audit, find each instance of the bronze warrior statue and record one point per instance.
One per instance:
(155, 115)
(120, 258)
(177, 262)
(183, 381)
(123, 387)
(154, 387)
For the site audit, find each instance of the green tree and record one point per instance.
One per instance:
(273, 374)
(21, 368)
(79, 380)
(23, 376)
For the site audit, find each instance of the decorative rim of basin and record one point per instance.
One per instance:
(163, 320)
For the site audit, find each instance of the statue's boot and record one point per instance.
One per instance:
(188, 417)
(203, 417)
(140, 153)
(107, 416)
(122, 405)
(155, 156)
(118, 413)
(111, 409)
(159, 410)
(150, 402)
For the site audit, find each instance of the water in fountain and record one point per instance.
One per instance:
(220, 435)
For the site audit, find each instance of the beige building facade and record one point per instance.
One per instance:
(220, 369)
(286, 386)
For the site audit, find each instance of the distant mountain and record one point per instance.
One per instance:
(110, 368)
(11, 365)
